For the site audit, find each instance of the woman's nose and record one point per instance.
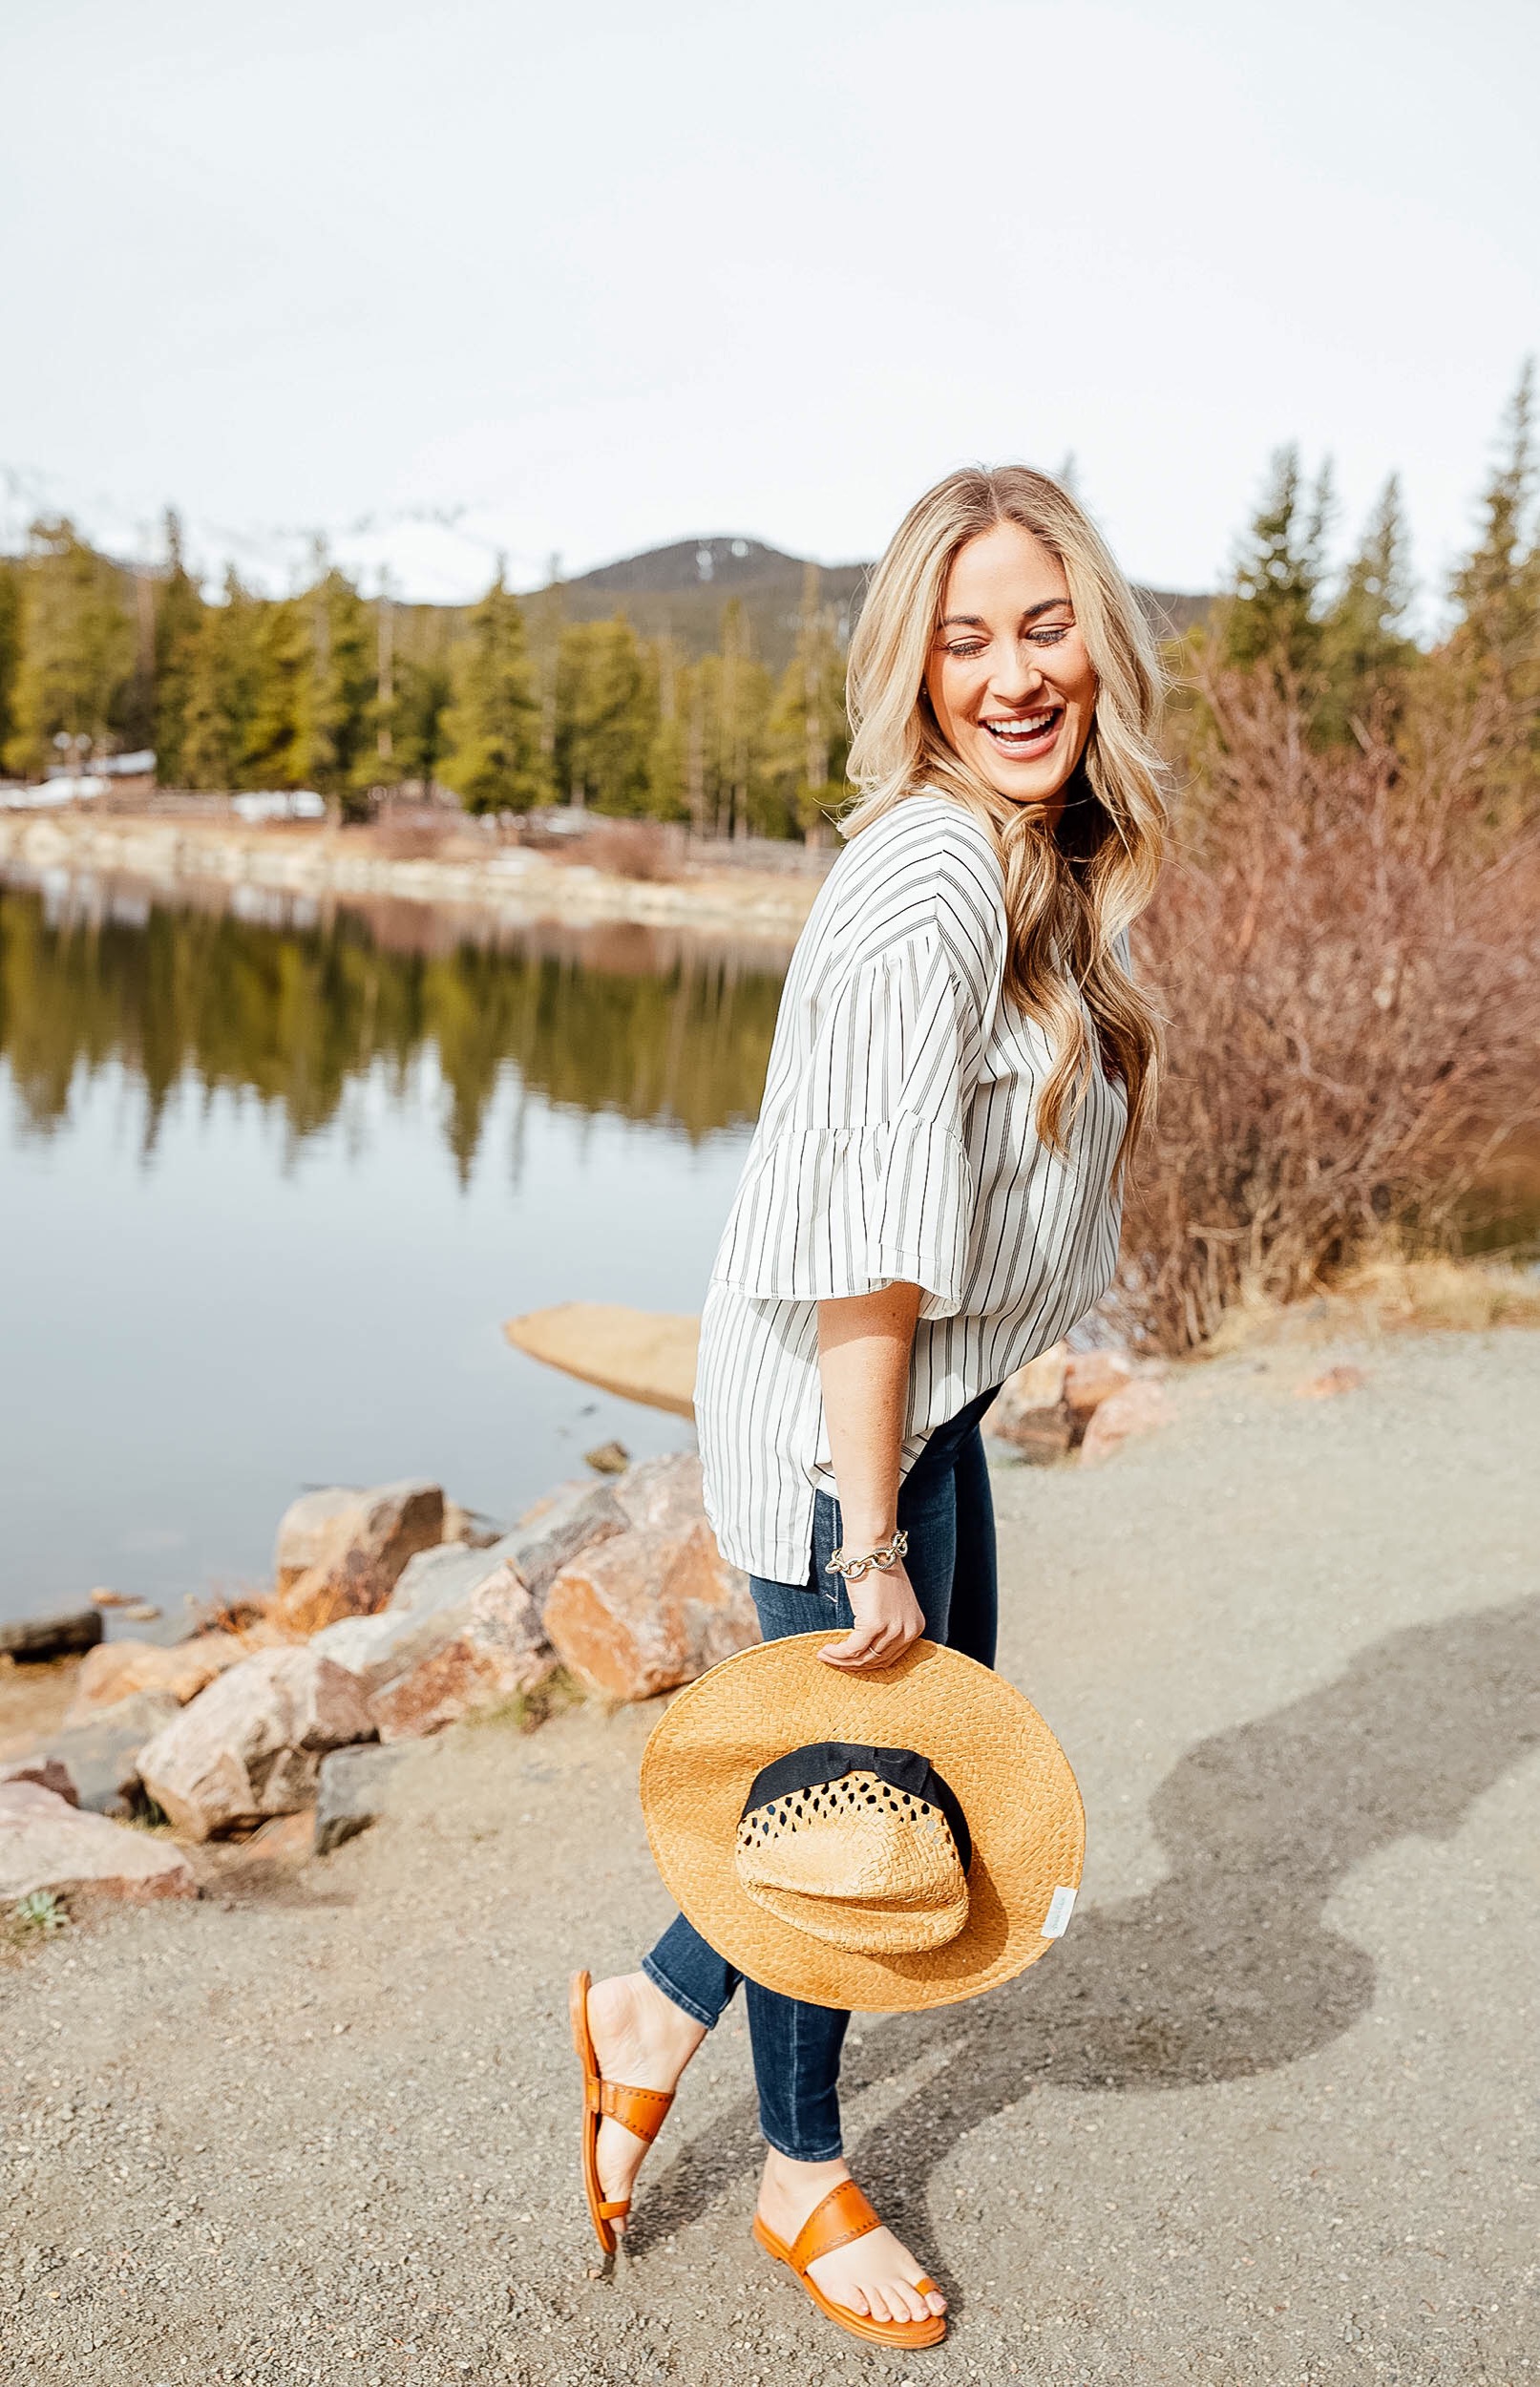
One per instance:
(1017, 675)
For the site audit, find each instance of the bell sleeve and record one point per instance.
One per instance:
(862, 1179)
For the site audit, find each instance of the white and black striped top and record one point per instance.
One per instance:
(897, 1143)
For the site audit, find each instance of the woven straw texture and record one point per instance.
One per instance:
(981, 1735)
(857, 1863)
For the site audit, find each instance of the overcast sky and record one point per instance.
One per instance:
(587, 279)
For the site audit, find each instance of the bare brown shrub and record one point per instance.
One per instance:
(1352, 990)
(403, 836)
(623, 849)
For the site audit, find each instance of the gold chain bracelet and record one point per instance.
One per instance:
(887, 1555)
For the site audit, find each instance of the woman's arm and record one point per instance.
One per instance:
(864, 1343)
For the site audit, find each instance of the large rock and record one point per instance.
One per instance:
(341, 1552)
(352, 1792)
(251, 1744)
(557, 1529)
(47, 1843)
(497, 1649)
(117, 1669)
(469, 1525)
(1141, 1407)
(56, 1632)
(430, 1605)
(1029, 1412)
(652, 1607)
(643, 1354)
(46, 1771)
(462, 1631)
(1090, 1378)
(663, 1494)
(101, 1753)
(441, 1578)
(1041, 1383)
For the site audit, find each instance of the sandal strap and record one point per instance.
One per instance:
(641, 2111)
(843, 2215)
(614, 2208)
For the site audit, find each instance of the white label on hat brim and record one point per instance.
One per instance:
(1061, 1907)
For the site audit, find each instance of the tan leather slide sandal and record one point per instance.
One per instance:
(843, 2215)
(641, 2111)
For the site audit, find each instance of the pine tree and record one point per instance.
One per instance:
(424, 690)
(738, 696)
(1493, 657)
(77, 648)
(223, 686)
(337, 694)
(178, 617)
(1497, 587)
(275, 748)
(1272, 618)
(1364, 647)
(606, 716)
(10, 632)
(494, 759)
(667, 773)
(807, 733)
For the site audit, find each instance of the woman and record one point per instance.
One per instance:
(960, 1069)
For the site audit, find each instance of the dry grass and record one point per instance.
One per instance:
(1389, 1296)
(527, 1710)
(1470, 1297)
(254, 1616)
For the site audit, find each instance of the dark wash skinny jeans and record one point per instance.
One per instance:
(946, 1508)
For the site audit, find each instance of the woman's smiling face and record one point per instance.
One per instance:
(1009, 681)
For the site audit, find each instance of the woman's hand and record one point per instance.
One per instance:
(888, 1620)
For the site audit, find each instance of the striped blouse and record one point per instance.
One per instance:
(897, 1142)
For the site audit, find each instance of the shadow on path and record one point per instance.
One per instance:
(1224, 1969)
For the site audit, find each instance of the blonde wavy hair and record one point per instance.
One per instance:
(1070, 893)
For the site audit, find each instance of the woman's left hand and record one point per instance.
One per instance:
(889, 1620)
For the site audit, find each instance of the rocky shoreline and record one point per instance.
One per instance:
(392, 1614)
(515, 883)
(390, 1617)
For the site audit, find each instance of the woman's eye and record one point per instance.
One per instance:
(1052, 637)
(972, 646)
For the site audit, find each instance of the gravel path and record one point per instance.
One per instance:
(1268, 2114)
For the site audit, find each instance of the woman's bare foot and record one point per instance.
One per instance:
(641, 2037)
(873, 2275)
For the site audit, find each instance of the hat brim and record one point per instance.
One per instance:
(984, 1738)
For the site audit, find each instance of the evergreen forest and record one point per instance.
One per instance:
(513, 706)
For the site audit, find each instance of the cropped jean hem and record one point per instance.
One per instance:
(671, 1990)
(802, 2154)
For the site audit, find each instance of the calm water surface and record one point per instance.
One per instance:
(271, 1182)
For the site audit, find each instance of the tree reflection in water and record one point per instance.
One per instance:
(271, 994)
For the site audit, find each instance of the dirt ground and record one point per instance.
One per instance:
(1267, 2114)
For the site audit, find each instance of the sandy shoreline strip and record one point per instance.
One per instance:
(509, 882)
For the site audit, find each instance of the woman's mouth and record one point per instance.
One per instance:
(1023, 736)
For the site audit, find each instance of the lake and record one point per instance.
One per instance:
(272, 1176)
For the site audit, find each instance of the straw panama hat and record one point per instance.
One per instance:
(884, 1841)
